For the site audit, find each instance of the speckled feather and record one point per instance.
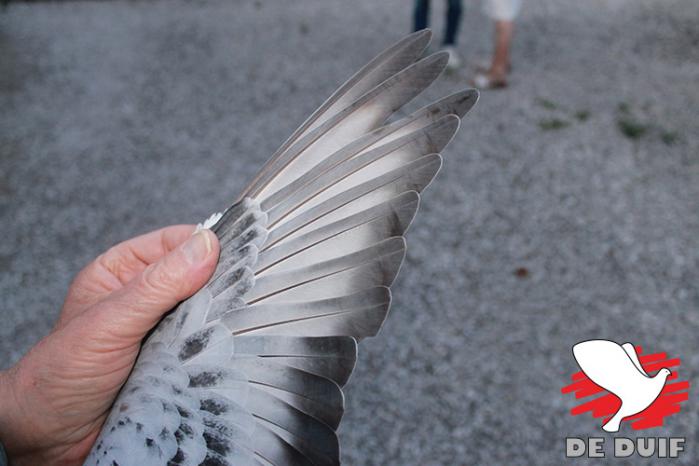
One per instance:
(249, 370)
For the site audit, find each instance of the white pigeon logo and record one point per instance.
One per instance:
(617, 369)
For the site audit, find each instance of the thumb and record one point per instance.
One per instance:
(163, 284)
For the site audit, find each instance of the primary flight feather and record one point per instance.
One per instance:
(249, 370)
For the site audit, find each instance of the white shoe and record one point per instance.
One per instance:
(454, 58)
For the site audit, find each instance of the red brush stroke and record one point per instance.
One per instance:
(606, 404)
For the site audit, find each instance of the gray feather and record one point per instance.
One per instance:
(249, 370)
(390, 218)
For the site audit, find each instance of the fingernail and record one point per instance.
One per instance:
(198, 247)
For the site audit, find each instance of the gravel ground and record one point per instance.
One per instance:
(120, 117)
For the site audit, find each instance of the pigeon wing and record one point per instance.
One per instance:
(249, 370)
(631, 351)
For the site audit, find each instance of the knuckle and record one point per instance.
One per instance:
(159, 281)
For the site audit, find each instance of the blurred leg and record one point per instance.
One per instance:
(501, 55)
(454, 11)
(422, 14)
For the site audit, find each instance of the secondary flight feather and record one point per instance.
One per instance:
(250, 370)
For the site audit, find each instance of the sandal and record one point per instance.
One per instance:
(485, 81)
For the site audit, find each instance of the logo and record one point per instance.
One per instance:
(619, 385)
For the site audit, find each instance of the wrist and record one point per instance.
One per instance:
(20, 439)
(11, 428)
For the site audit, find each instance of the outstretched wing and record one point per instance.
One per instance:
(249, 370)
(631, 351)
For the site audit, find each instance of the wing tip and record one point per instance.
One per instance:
(421, 36)
(444, 131)
(437, 60)
(461, 102)
(409, 198)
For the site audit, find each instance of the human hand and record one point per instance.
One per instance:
(54, 401)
